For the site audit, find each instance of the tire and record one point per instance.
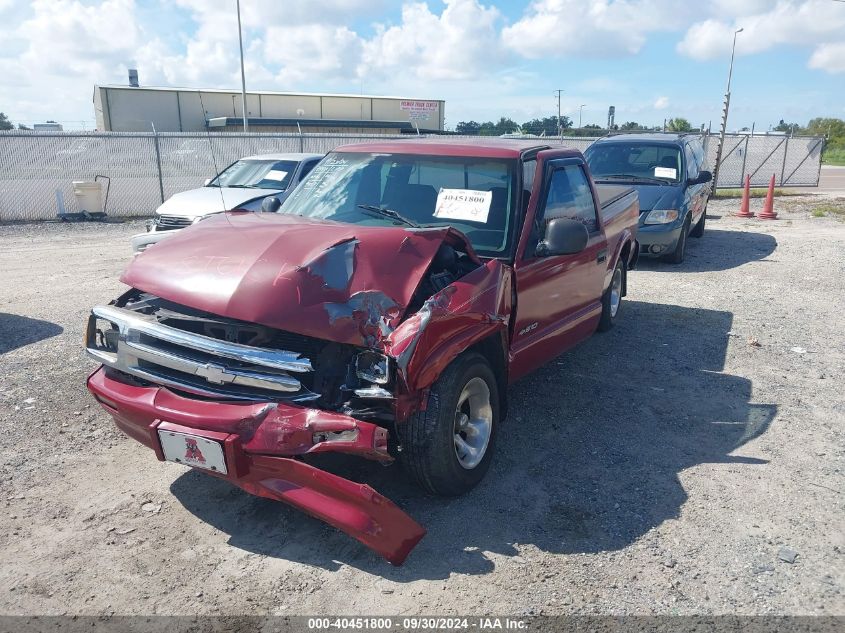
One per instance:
(611, 300)
(430, 450)
(698, 229)
(677, 256)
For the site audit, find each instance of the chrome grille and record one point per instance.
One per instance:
(140, 346)
(168, 222)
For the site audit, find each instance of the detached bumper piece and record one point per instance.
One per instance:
(260, 443)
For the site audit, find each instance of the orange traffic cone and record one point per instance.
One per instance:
(746, 194)
(768, 212)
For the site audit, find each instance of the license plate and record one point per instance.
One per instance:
(193, 450)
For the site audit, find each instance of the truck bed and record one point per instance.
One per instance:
(608, 194)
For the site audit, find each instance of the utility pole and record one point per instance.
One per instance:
(243, 76)
(559, 126)
(580, 111)
(725, 108)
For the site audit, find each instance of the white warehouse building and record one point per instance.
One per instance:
(138, 109)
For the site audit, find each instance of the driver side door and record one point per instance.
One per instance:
(559, 296)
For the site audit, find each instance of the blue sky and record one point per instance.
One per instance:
(652, 59)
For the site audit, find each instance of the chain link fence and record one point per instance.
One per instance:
(139, 171)
(794, 161)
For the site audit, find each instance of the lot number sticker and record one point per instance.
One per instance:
(276, 174)
(463, 204)
(665, 172)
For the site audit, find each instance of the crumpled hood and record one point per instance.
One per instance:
(205, 200)
(333, 281)
(658, 197)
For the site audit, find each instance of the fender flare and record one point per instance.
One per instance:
(627, 237)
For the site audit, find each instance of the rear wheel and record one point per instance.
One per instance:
(677, 256)
(611, 300)
(448, 447)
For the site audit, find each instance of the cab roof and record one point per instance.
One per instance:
(667, 138)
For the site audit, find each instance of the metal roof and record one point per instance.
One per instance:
(225, 121)
(262, 92)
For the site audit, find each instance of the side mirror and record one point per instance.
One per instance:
(703, 176)
(564, 236)
(207, 180)
(270, 204)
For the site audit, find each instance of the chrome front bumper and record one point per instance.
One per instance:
(140, 346)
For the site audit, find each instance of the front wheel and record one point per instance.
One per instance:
(447, 448)
(611, 300)
(677, 256)
(698, 229)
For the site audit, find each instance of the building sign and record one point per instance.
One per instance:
(418, 110)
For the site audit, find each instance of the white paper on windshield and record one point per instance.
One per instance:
(463, 204)
(665, 172)
(276, 174)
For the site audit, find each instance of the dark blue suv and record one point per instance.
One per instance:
(670, 175)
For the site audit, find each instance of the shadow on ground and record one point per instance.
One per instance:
(18, 331)
(588, 460)
(717, 250)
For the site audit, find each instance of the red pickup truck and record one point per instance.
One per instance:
(381, 312)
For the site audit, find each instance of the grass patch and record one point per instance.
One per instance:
(834, 156)
(835, 209)
(727, 194)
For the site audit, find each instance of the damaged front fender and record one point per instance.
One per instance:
(471, 309)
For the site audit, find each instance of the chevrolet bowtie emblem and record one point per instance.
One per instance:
(215, 373)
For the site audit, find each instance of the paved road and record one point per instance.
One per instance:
(831, 181)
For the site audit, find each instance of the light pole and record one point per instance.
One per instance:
(725, 108)
(559, 126)
(243, 76)
(580, 111)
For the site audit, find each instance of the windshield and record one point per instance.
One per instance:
(260, 174)
(474, 195)
(635, 161)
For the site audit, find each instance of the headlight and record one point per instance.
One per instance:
(372, 367)
(101, 338)
(661, 216)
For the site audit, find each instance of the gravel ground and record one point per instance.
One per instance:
(690, 461)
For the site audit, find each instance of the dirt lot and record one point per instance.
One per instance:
(664, 467)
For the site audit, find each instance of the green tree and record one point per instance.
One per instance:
(21, 126)
(503, 126)
(822, 126)
(5, 123)
(782, 126)
(546, 126)
(678, 124)
(468, 127)
(632, 125)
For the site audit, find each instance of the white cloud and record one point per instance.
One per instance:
(557, 28)
(829, 57)
(52, 52)
(459, 43)
(816, 23)
(313, 50)
(661, 103)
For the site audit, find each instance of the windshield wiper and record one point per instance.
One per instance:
(633, 177)
(388, 213)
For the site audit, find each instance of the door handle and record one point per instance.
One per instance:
(601, 256)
